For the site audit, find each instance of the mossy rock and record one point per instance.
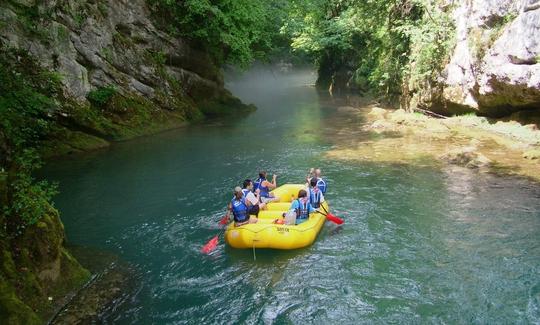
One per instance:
(225, 106)
(67, 141)
(12, 309)
(36, 266)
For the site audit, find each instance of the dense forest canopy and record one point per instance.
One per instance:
(233, 31)
(370, 38)
(373, 39)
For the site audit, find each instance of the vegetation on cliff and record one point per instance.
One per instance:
(378, 46)
(35, 269)
(49, 107)
(233, 31)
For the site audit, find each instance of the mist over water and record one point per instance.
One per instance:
(420, 244)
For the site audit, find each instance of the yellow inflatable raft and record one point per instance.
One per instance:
(266, 234)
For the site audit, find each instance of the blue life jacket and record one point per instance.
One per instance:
(245, 191)
(315, 198)
(239, 210)
(303, 211)
(321, 184)
(264, 192)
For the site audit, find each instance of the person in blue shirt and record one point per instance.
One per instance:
(315, 195)
(302, 207)
(240, 208)
(253, 198)
(264, 186)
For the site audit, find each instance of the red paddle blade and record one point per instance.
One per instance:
(334, 219)
(224, 220)
(210, 246)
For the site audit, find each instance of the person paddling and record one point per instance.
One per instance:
(253, 198)
(315, 195)
(302, 207)
(239, 207)
(264, 186)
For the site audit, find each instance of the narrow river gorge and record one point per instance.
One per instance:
(421, 243)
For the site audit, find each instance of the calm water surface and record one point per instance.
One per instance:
(421, 244)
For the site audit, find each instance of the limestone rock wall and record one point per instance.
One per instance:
(495, 67)
(96, 44)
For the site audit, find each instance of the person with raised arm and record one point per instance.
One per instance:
(264, 187)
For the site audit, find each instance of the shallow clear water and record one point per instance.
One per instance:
(420, 244)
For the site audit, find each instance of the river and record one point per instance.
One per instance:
(420, 244)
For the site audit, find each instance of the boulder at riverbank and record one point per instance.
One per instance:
(37, 272)
(494, 68)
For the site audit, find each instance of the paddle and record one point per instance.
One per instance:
(331, 217)
(224, 220)
(212, 243)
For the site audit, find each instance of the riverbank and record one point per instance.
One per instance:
(492, 145)
(86, 131)
(37, 273)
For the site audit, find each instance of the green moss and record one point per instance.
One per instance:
(107, 53)
(66, 142)
(101, 96)
(29, 18)
(227, 105)
(73, 274)
(103, 9)
(122, 40)
(12, 309)
(135, 115)
(8, 267)
(39, 268)
(62, 34)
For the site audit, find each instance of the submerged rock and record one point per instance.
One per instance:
(106, 291)
(466, 157)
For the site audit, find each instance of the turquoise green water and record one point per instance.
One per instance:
(420, 244)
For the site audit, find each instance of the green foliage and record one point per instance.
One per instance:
(383, 42)
(30, 199)
(28, 99)
(431, 41)
(101, 96)
(107, 54)
(233, 31)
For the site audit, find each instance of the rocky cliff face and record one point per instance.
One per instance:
(36, 272)
(138, 78)
(494, 68)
